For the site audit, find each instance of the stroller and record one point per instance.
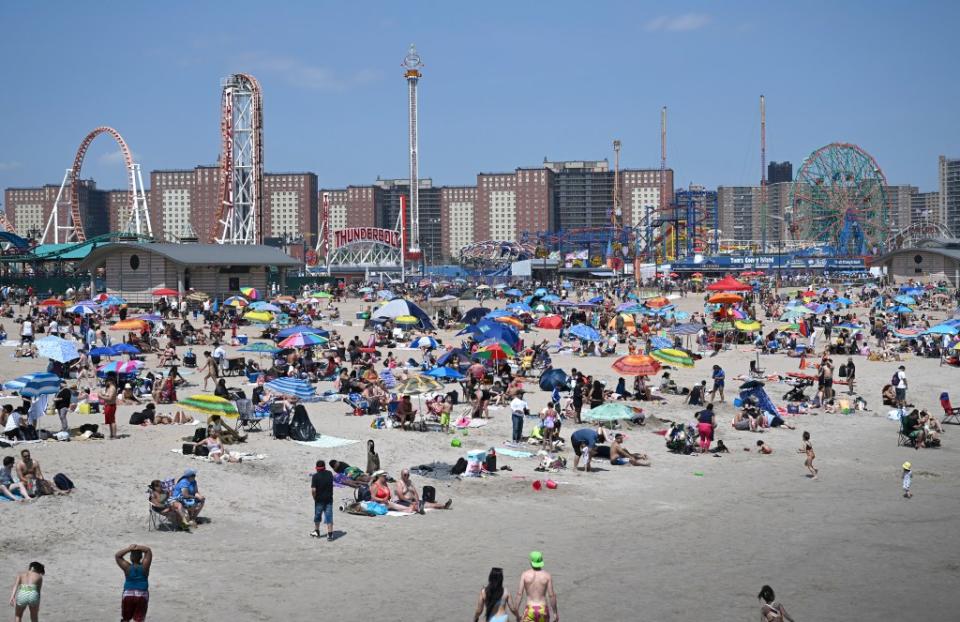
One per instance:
(681, 439)
(796, 394)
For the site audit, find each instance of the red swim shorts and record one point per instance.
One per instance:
(109, 414)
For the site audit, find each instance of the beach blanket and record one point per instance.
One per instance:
(470, 423)
(10, 343)
(327, 442)
(11, 442)
(513, 453)
(16, 494)
(246, 457)
(396, 514)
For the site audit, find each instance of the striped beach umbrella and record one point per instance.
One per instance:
(81, 309)
(636, 365)
(611, 411)
(509, 319)
(134, 324)
(236, 301)
(685, 329)
(209, 405)
(302, 340)
(120, 367)
(293, 387)
(424, 342)
(671, 356)
(35, 384)
(748, 326)
(417, 385)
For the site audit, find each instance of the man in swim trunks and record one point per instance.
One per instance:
(620, 455)
(537, 584)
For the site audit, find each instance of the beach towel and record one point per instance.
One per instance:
(246, 457)
(513, 453)
(464, 422)
(327, 442)
(396, 514)
(16, 494)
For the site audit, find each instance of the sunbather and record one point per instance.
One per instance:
(619, 454)
(408, 496)
(7, 484)
(380, 492)
(187, 493)
(162, 503)
(347, 475)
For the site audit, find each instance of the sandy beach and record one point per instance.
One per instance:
(691, 538)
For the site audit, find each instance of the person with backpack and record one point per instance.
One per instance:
(321, 489)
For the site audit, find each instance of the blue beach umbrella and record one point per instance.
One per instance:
(57, 349)
(582, 331)
(445, 373)
(33, 385)
(295, 387)
(125, 348)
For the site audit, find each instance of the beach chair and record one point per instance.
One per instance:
(950, 414)
(159, 521)
(903, 436)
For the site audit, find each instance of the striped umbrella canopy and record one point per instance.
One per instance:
(748, 326)
(250, 292)
(496, 352)
(263, 317)
(725, 298)
(120, 367)
(260, 347)
(35, 384)
(691, 328)
(509, 319)
(671, 356)
(210, 405)
(134, 324)
(81, 309)
(417, 385)
(636, 365)
(300, 340)
(611, 411)
(57, 349)
(293, 387)
(293, 330)
(235, 301)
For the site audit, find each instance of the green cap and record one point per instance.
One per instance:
(536, 560)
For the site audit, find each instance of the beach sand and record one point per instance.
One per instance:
(659, 543)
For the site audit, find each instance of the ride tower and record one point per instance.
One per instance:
(412, 65)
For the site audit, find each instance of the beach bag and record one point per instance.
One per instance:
(63, 482)
(895, 380)
(362, 493)
(201, 450)
(188, 449)
(84, 408)
(373, 508)
(460, 467)
(199, 435)
(842, 372)
(301, 429)
(429, 494)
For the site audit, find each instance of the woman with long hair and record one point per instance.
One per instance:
(494, 603)
(770, 609)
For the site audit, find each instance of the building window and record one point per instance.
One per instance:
(134, 262)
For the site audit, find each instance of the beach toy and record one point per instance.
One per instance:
(537, 485)
(737, 402)
(455, 442)
(552, 485)
(698, 473)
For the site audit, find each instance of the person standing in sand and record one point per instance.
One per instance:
(907, 479)
(494, 603)
(26, 592)
(136, 587)
(108, 397)
(537, 584)
(807, 449)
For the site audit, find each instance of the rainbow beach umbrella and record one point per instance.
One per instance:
(250, 292)
(210, 405)
(671, 356)
(301, 340)
(636, 365)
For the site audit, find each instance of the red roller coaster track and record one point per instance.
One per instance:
(78, 163)
(226, 150)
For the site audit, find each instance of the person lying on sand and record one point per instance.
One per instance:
(347, 475)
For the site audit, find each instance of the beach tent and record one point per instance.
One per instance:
(399, 307)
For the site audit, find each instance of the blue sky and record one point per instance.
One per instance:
(505, 84)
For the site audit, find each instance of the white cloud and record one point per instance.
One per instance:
(304, 75)
(9, 166)
(678, 23)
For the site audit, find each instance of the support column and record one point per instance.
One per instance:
(179, 283)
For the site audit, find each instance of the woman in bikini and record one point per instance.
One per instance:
(380, 492)
(770, 609)
(494, 603)
(26, 592)
(808, 450)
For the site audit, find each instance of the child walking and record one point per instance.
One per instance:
(907, 479)
(808, 450)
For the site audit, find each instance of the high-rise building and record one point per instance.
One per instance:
(495, 211)
(640, 194)
(779, 172)
(739, 216)
(290, 206)
(582, 193)
(925, 207)
(184, 201)
(950, 194)
(29, 209)
(899, 207)
(386, 211)
(457, 213)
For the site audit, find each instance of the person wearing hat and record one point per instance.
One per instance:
(537, 584)
(907, 479)
(186, 492)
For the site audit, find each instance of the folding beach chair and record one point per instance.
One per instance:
(950, 414)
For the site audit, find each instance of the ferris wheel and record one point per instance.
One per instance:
(839, 201)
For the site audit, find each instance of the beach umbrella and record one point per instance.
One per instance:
(321, 295)
(794, 313)
(57, 349)
(463, 355)
(81, 309)
(35, 384)
(250, 292)
(685, 329)
(132, 324)
(474, 315)
(445, 373)
(900, 309)
(104, 351)
(496, 352)
(725, 298)
(520, 307)
(611, 411)
(424, 342)
(262, 305)
(165, 291)
(149, 317)
(656, 303)
(236, 301)
(550, 298)
(843, 301)
(210, 405)
(365, 290)
(905, 300)
(197, 296)
(721, 326)
(554, 379)
(51, 302)
(301, 340)
(788, 327)
(260, 347)
(942, 329)
(636, 365)
(293, 387)
(582, 331)
(263, 317)
(728, 284)
(120, 367)
(552, 322)
(125, 348)
(659, 342)
(513, 293)
(293, 330)
(417, 385)
(911, 291)
(540, 291)
(386, 294)
(748, 326)
(907, 333)
(671, 356)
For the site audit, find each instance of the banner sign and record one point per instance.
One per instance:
(768, 262)
(356, 235)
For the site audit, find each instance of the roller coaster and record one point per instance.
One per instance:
(18, 250)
